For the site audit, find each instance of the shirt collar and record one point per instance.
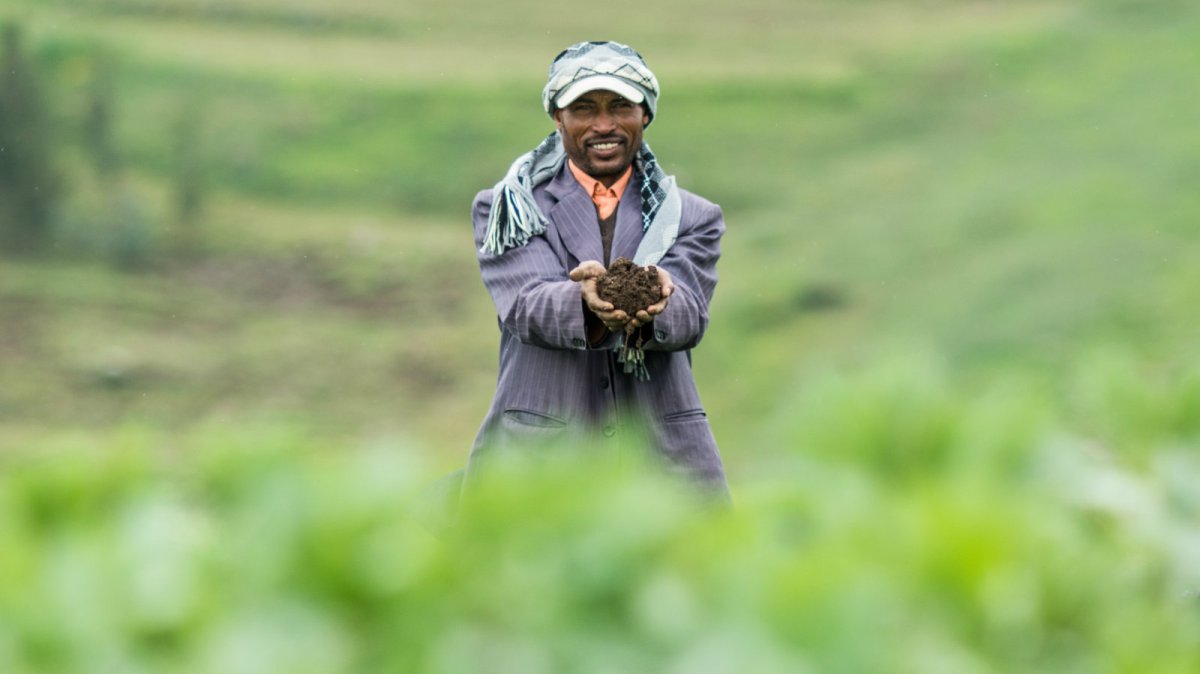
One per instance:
(595, 188)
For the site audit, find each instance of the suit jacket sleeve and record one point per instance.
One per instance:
(692, 263)
(535, 301)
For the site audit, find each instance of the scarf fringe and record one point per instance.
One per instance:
(516, 218)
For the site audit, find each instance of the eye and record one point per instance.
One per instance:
(625, 108)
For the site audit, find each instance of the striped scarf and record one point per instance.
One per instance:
(516, 218)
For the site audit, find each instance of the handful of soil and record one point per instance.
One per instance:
(629, 287)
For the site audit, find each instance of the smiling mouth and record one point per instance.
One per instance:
(605, 146)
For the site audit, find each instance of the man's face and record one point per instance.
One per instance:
(602, 133)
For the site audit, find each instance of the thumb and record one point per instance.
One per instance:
(586, 270)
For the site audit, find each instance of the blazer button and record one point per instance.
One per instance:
(604, 383)
(660, 335)
(609, 430)
(577, 342)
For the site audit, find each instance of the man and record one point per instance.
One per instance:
(589, 193)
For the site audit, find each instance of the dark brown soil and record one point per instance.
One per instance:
(629, 287)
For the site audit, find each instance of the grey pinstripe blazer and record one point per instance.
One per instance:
(552, 385)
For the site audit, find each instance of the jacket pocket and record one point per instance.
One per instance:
(534, 419)
(684, 415)
(688, 446)
(525, 429)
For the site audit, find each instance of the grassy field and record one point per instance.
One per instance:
(989, 187)
(955, 180)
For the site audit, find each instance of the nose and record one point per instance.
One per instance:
(604, 121)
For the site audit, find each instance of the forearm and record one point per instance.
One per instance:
(681, 324)
(595, 328)
(692, 264)
(546, 314)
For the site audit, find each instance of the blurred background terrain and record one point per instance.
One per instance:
(952, 361)
(257, 212)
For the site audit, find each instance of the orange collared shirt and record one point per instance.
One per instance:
(605, 198)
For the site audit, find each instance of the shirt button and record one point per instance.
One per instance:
(610, 430)
(604, 383)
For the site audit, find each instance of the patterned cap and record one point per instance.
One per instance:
(588, 66)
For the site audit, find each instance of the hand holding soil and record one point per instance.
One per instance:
(639, 293)
(589, 275)
(625, 297)
(636, 291)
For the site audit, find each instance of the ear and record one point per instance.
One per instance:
(558, 118)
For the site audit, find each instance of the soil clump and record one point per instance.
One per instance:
(629, 287)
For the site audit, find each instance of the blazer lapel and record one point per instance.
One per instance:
(574, 217)
(628, 233)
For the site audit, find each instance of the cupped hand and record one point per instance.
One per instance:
(646, 315)
(586, 274)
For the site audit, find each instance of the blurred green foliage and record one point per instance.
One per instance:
(933, 534)
(29, 179)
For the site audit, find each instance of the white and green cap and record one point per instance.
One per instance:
(610, 66)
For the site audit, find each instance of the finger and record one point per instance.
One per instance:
(613, 320)
(600, 307)
(586, 270)
(593, 300)
(664, 280)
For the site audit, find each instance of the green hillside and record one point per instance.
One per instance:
(991, 187)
